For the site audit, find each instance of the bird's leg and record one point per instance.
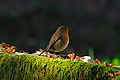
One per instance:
(57, 53)
(62, 55)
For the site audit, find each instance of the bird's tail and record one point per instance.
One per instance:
(46, 49)
(42, 52)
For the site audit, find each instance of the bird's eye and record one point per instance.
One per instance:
(65, 28)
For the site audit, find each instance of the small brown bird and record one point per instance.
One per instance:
(59, 40)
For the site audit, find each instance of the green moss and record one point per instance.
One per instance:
(24, 67)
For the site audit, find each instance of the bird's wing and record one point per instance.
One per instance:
(53, 40)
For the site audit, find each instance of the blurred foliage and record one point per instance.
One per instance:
(30, 24)
(113, 60)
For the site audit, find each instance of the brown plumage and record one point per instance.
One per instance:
(59, 40)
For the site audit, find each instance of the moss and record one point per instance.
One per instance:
(24, 67)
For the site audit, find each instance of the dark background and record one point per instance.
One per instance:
(93, 24)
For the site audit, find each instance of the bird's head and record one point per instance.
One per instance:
(63, 29)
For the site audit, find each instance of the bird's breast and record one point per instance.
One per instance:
(61, 44)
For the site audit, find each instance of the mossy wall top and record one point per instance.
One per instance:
(32, 67)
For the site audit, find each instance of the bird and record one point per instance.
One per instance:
(59, 40)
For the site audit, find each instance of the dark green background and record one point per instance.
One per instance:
(93, 24)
